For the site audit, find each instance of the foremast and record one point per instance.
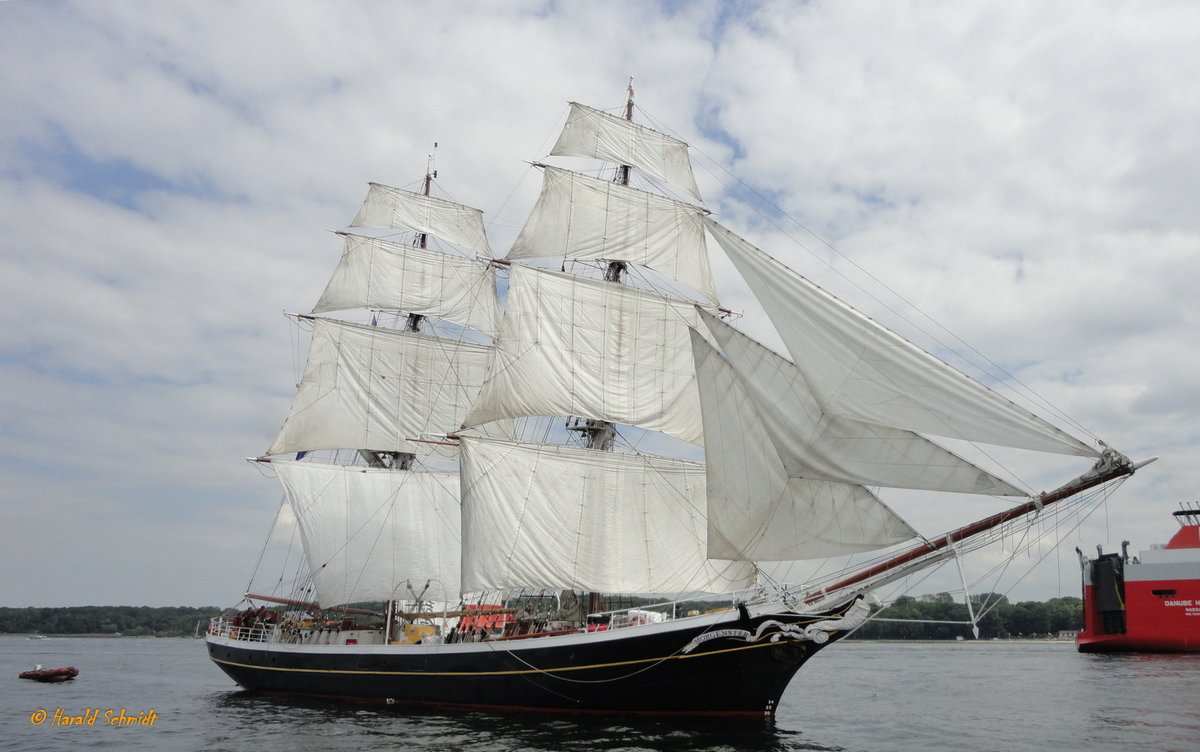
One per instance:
(412, 323)
(389, 395)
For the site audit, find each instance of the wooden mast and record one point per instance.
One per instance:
(616, 268)
(404, 460)
(414, 319)
(600, 434)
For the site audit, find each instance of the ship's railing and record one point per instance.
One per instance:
(654, 613)
(223, 627)
(631, 616)
(290, 631)
(697, 605)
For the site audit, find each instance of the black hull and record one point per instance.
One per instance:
(737, 666)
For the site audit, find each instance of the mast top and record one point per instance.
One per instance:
(430, 172)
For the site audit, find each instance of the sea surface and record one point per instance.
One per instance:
(856, 696)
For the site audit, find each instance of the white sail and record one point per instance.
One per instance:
(592, 133)
(367, 532)
(592, 349)
(583, 217)
(757, 510)
(562, 517)
(367, 387)
(376, 273)
(861, 370)
(812, 444)
(405, 210)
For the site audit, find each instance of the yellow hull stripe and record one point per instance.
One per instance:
(491, 673)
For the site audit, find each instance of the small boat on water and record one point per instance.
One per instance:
(1149, 602)
(65, 673)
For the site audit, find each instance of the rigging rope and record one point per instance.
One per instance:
(1027, 390)
(266, 542)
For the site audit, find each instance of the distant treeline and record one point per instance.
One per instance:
(1003, 620)
(129, 621)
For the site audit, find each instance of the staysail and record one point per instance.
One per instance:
(861, 370)
(757, 509)
(812, 444)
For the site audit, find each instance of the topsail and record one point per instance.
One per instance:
(580, 217)
(367, 387)
(570, 345)
(592, 133)
(395, 208)
(377, 273)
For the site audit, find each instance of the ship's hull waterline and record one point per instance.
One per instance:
(736, 665)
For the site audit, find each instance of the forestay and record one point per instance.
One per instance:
(367, 387)
(592, 133)
(366, 532)
(574, 346)
(399, 209)
(861, 370)
(756, 509)
(580, 217)
(562, 517)
(376, 273)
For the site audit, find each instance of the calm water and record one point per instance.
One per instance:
(856, 696)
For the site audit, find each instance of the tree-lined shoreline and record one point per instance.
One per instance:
(924, 618)
(127, 621)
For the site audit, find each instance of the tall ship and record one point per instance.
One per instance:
(563, 480)
(1149, 602)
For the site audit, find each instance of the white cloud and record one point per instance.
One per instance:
(1025, 173)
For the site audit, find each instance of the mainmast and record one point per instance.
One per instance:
(414, 319)
(616, 268)
(600, 434)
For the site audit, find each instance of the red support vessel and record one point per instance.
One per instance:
(1150, 602)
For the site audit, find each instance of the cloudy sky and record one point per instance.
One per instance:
(1026, 174)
